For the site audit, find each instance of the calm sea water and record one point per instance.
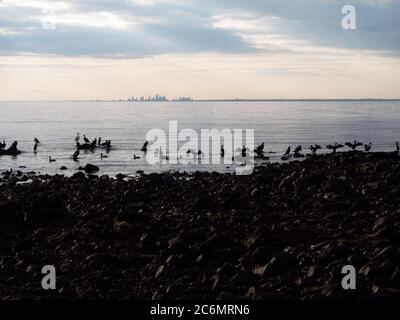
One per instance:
(278, 124)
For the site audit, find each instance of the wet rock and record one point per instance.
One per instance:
(90, 168)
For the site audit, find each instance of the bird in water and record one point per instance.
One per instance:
(102, 155)
(260, 148)
(334, 147)
(354, 145)
(314, 148)
(297, 152)
(367, 147)
(36, 140)
(75, 155)
(51, 159)
(144, 148)
(286, 154)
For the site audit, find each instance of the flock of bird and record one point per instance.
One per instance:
(258, 151)
(333, 147)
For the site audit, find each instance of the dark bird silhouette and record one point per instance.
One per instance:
(85, 139)
(36, 140)
(314, 148)
(298, 149)
(260, 148)
(75, 155)
(334, 147)
(51, 160)
(354, 145)
(144, 148)
(287, 152)
(135, 157)
(367, 147)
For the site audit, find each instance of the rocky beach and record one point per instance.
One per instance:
(283, 232)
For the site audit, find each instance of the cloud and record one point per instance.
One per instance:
(149, 27)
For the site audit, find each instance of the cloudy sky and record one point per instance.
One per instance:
(103, 49)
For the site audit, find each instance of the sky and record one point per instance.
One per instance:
(205, 49)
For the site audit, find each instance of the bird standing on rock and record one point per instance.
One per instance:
(314, 148)
(367, 147)
(354, 145)
(334, 147)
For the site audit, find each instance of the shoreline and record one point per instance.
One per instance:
(283, 232)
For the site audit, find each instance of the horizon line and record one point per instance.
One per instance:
(209, 100)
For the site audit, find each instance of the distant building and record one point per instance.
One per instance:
(158, 97)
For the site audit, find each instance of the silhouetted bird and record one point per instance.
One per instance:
(298, 149)
(367, 147)
(354, 145)
(334, 147)
(144, 148)
(287, 153)
(85, 139)
(51, 160)
(260, 148)
(314, 148)
(36, 140)
(135, 157)
(75, 155)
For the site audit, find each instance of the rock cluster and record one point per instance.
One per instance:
(285, 231)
